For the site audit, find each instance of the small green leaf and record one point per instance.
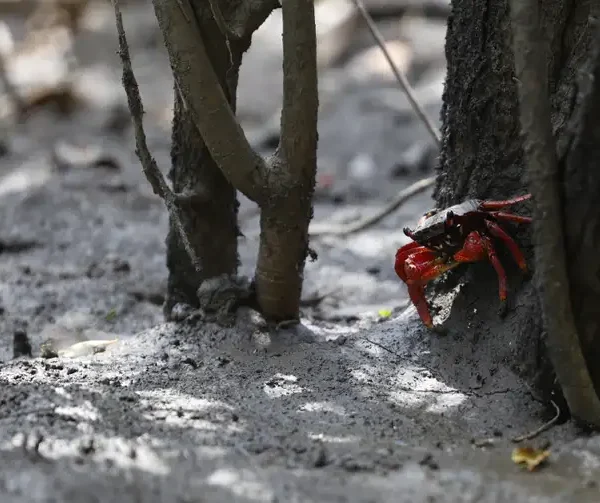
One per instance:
(111, 315)
(384, 313)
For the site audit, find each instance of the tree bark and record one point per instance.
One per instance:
(562, 341)
(210, 213)
(286, 213)
(205, 42)
(582, 213)
(482, 157)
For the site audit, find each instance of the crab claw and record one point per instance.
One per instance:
(417, 265)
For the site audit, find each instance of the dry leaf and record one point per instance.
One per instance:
(529, 456)
(86, 348)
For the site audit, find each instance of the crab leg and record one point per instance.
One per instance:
(498, 232)
(502, 215)
(477, 248)
(491, 252)
(498, 205)
(416, 293)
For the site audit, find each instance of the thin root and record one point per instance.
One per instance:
(402, 197)
(541, 429)
(149, 166)
(400, 77)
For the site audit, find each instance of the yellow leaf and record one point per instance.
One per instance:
(529, 456)
(384, 313)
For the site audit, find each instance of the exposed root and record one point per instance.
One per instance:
(402, 197)
(541, 429)
(149, 166)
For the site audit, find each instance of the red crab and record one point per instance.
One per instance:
(444, 239)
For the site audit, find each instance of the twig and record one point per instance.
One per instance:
(149, 166)
(399, 200)
(412, 190)
(541, 429)
(400, 77)
(563, 344)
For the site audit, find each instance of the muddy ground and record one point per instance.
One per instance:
(350, 406)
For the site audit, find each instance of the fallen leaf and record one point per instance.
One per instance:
(384, 313)
(86, 348)
(529, 456)
(111, 315)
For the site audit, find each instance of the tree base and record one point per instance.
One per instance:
(218, 299)
(480, 332)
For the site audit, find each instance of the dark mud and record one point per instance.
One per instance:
(346, 407)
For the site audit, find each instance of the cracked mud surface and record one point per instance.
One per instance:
(345, 407)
